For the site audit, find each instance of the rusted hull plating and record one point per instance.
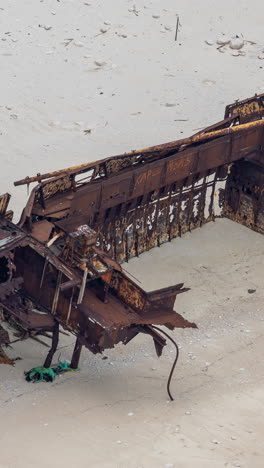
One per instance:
(80, 223)
(140, 200)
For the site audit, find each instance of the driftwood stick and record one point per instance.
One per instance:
(177, 27)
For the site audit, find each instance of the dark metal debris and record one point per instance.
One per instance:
(62, 263)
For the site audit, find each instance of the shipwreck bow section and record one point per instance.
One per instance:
(139, 200)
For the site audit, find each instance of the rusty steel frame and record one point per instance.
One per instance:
(64, 257)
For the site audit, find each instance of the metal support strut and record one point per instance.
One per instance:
(54, 344)
(76, 354)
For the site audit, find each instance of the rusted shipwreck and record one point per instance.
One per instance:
(60, 265)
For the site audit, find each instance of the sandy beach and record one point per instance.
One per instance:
(85, 80)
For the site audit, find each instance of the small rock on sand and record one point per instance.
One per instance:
(223, 40)
(236, 43)
(99, 63)
(209, 42)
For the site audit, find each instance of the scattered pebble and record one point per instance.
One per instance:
(153, 368)
(209, 82)
(251, 291)
(236, 43)
(233, 438)
(215, 441)
(99, 63)
(261, 56)
(78, 44)
(209, 42)
(168, 28)
(170, 104)
(47, 28)
(223, 40)
(130, 414)
(103, 30)
(155, 16)
(134, 10)
(236, 54)
(119, 442)
(188, 413)
(169, 465)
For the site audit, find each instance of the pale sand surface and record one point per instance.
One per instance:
(49, 94)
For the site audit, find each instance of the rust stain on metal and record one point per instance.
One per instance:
(62, 263)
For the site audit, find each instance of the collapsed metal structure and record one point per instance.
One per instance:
(61, 263)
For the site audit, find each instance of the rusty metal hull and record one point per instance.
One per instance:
(81, 223)
(140, 200)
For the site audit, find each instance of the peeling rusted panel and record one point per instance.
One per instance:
(244, 197)
(247, 110)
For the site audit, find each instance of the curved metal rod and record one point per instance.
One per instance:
(175, 360)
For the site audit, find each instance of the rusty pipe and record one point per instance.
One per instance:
(197, 138)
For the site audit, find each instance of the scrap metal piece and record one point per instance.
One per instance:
(4, 341)
(247, 110)
(4, 200)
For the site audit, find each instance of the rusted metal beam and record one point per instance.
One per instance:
(76, 354)
(54, 345)
(4, 200)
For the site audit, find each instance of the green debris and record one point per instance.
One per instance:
(47, 374)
